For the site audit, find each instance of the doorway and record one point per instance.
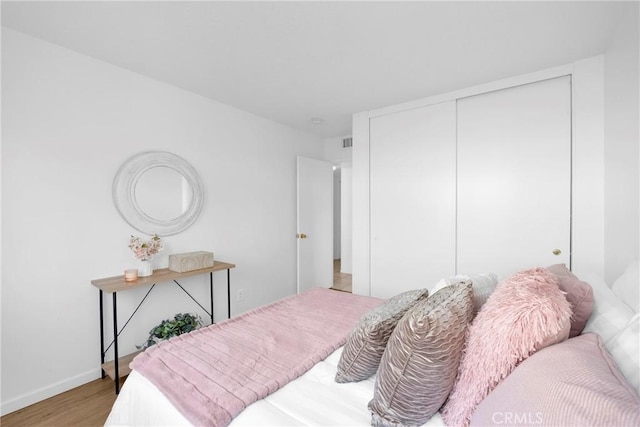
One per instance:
(342, 279)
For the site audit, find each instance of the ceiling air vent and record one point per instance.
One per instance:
(347, 142)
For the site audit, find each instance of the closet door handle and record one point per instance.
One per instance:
(557, 251)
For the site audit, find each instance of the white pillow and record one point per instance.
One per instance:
(625, 349)
(626, 286)
(483, 286)
(618, 327)
(610, 315)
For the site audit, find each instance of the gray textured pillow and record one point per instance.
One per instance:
(362, 352)
(483, 286)
(420, 364)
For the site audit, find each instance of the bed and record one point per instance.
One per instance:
(312, 399)
(307, 393)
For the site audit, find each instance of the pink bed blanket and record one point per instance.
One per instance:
(212, 374)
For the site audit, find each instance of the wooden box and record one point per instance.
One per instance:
(190, 261)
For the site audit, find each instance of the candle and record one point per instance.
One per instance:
(130, 275)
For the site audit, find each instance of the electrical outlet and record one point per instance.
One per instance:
(240, 295)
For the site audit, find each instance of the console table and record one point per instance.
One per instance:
(117, 284)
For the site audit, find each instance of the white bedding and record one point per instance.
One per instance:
(314, 399)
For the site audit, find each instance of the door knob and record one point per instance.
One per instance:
(557, 251)
(301, 236)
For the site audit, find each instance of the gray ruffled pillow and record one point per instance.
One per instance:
(483, 286)
(420, 364)
(364, 347)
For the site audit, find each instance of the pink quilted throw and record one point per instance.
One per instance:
(525, 313)
(212, 374)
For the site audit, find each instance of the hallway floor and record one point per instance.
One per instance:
(341, 281)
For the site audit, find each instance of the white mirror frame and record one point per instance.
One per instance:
(124, 193)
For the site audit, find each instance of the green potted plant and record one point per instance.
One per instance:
(180, 324)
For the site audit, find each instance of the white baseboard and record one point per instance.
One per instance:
(49, 391)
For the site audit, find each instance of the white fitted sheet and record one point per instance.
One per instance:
(314, 399)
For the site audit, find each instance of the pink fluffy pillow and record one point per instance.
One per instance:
(525, 313)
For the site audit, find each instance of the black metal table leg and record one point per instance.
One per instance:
(211, 291)
(228, 293)
(115, 344)
(101, 336)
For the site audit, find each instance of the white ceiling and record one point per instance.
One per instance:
(294, 61)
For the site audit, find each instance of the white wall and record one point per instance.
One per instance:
(1, 224)
(346, 213)
(69, 121)
(333, 151)
(337, 225)
(341, 158)
(621, 145)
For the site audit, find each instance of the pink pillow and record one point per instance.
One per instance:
(572, 383)
(578, 293)
(525, 312)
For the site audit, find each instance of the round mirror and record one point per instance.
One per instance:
(163, 193)
(157, 192)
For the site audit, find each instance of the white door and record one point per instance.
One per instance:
(412, 179)
(315, 224)
(514, 178)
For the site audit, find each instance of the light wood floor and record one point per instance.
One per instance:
(341, 281)
(89, 405)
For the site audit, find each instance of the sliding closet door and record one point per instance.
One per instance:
(412, 178)
(514, 178)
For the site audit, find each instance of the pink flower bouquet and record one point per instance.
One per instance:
(144, 251)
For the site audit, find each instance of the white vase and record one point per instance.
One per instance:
(145, 268)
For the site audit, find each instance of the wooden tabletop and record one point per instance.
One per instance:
(117, 283)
